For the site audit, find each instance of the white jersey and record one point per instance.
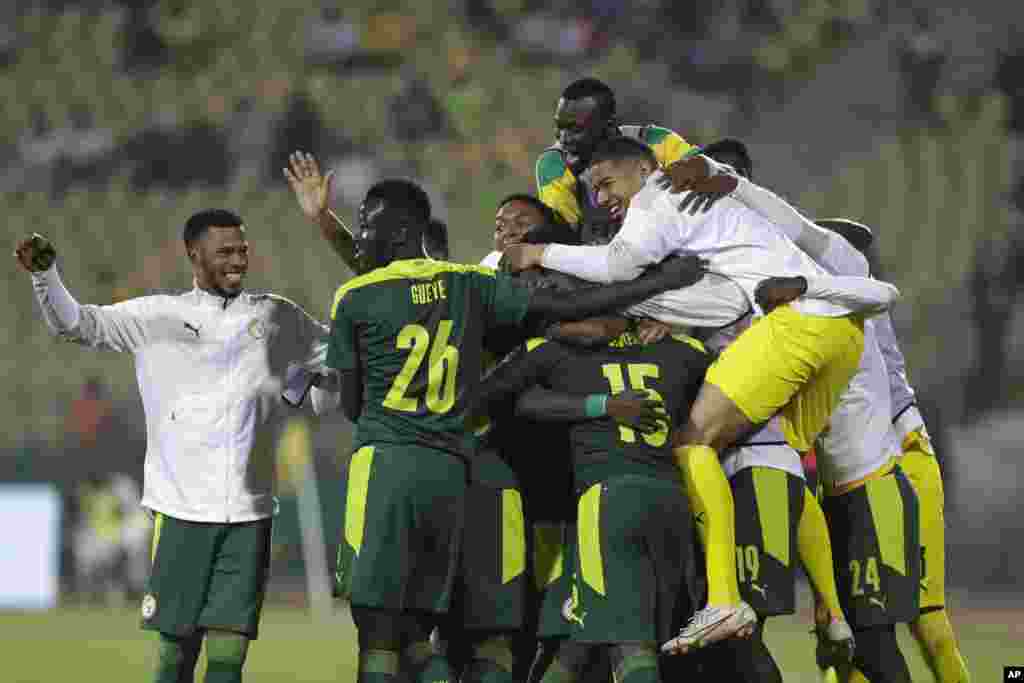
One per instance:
(906, 417)
(858, 440)
(211, 372)
(492, 260)
(739, 244)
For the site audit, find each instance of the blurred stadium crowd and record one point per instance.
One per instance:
(122, 117)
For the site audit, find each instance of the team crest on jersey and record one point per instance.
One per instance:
(148, 606)
(258, 328)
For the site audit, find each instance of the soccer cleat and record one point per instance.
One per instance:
(835, 645)
(711, 625)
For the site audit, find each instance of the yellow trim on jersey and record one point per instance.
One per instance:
(691, 341)
(886, 504)
(589, 539)
(771, 490)
(548, 553)
(158, 525)
(857, 483)
(355, 497)
(406, 269)
(513, 536)
(671, 149)
(533, 343)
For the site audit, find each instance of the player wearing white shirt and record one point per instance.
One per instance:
(805, 353)
(214, 366)
(870, 505)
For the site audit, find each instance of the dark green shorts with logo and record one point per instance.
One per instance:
(634, 569)
(490, 589)
(207, 576)
(769, 503)
(877, 550)
(401, 527)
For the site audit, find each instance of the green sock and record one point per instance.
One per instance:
(225, 656)
(378, 666)
(176, 658)
(492, 662)
(426, 666)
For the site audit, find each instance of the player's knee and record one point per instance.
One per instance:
(225, 653)
(932, 630)
(174, 654)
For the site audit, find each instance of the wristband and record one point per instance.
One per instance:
(596, 405)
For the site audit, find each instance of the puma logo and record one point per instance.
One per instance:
(193, 329)
(876, 602)
(760, 589)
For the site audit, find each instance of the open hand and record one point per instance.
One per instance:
(693, 175)
(35, 253)
(519, 257)
(637, 410)
(778, 291)
(652, 331)
(679, 271)
(312, 190)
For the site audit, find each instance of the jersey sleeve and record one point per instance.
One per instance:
(556, 186)
(342, 350)
(520, 370)
(505, 301)
(668, 146)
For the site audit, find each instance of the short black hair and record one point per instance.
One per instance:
(548, 213)
(554, 230)
(197, 225)
(620, 148)
(591, 87)
(436, 239)
(401, 194)
(733, 152)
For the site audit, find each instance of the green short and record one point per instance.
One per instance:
(877, 550)
(634, 569)
(207, 576)
(490, 589)
(401, 527)
(769, 503)
(552, 552)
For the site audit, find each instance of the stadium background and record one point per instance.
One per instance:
(120, 119)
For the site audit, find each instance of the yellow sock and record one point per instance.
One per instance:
(934, 635)
(856, 677)
(711, 498)
(815, 550)
(829, 675)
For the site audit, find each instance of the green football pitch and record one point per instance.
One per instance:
(81, 644)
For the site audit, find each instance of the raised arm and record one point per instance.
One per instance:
(120, 327)
(675, 273)
(313, 192)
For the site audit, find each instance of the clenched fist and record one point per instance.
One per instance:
(35, 253)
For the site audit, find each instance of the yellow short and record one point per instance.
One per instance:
(793, 364)
(922, 468)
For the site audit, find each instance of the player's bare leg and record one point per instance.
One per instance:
(715, 423)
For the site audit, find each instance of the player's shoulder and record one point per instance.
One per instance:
(551, 166)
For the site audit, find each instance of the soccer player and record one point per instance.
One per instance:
(407, 339)
(584, 118)
(633, 569)
(931, 629)
(211, 364)
(807, 352)
(870, 505)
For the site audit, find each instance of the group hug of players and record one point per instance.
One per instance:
(624, 485)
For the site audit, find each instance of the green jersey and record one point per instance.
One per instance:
(672, 369)
(415, 330)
